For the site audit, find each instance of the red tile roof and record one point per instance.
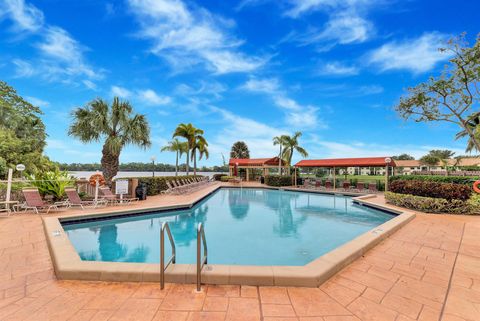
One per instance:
(254, 161)
(345, 162)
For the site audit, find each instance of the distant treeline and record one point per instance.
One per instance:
(139, 167)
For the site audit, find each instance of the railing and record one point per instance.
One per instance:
(201, 260)
(163, 267)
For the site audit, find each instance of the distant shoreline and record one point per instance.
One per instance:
(122, 174)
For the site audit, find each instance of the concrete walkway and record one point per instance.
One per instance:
(429, 270)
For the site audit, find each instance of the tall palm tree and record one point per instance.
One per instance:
(116, 124)
(177, 147)
(189, 132)
(473, 123)
(279, 140)
(199, 144)
(290, 144)
(239, 150)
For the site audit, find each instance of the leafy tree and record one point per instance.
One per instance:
(177, 147)
(291, 144)
(453, 96)
(473, 123)
(22, 133)
(239, 150)
(403, 157)
(116, 124)
(190, 133)
(437, 156)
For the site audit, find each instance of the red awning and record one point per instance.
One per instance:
(346, 162)
(254, 161)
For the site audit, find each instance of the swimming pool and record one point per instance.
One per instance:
(243, 226)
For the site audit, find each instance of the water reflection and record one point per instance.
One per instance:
(239, 202)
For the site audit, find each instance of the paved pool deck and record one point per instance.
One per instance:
(428, 270)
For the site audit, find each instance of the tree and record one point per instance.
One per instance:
(474, 124)
(239, 150)
(22, 133)
(291, 144)
(437, 156)
(189, 132)
(403, 157)
(116, 124)
(177, 147)
(279, 140)
(199, 145)
(453, 95)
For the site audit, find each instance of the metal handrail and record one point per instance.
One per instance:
(163, 267)
(201, 261)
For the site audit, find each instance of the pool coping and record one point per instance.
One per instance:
(68, 264)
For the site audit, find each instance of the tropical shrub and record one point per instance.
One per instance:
(156, 185)
(432, 205)
(466, 180)
(218, 177)
(447, 191)
(52, 183)
(226, 178)
(278, 180)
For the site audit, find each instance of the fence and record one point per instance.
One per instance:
(447, 173)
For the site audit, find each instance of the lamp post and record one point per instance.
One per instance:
(20, 168)
(388, 160)
(153, 158)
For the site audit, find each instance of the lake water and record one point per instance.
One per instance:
(86, 174)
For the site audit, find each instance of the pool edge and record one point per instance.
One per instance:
(68, 265)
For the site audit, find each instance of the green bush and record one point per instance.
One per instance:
(156, 185)
(226, 178)
(432, 205)
(218, 177)
(447, 191)
(278, 180)
(52, 183)
(466, 180)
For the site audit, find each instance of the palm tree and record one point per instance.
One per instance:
(239, 150)
(189, 132)
(116, 124)
(290, 144)
(279, 140)
(473, 123)
(178, 147)
(200, 144)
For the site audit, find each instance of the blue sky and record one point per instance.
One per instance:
(239, 69)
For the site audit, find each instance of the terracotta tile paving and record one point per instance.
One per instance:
(429, 270)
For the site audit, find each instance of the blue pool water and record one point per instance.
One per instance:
(242, 226)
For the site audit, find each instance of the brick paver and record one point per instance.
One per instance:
(428, 270)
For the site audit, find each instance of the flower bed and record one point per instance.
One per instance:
(433, 205)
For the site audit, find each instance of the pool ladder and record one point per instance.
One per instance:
(201, 260)
(163, 267)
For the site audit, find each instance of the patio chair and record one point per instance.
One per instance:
(33, 201)
(360, 187)
(75, 200)
(346, 186)
(328, 185)
(372, 188)
(114, 199)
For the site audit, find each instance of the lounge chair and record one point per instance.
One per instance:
(75, 200)
(33, 201)
(114, 199)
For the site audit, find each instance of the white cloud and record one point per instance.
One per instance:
(190, 36)
(25, 17)
(60, 55)
(338, 69)
(416, 55)
(152, 98)
(120, 92)
(297, 115)
(37, 101)
(203, 88)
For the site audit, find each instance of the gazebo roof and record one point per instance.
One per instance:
(346, 162)
(254, 161)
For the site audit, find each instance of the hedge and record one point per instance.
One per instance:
(466, 180)
(156, 185)
(447, 191)
(226, 178)
(432, 205)
(278, 180)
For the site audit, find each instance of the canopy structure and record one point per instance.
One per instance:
(250, 164)
(349, 162)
